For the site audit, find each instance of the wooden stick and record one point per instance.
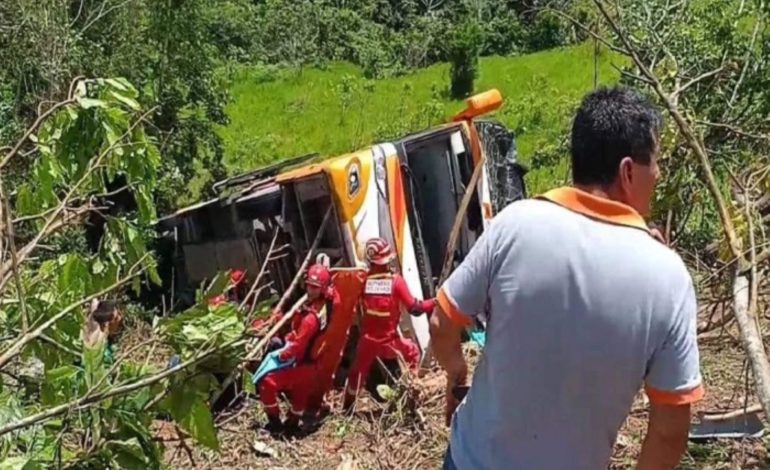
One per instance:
(454, 235)
(733, 414)
(253, 351)
(261, 271)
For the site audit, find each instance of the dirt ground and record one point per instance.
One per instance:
(389, 436)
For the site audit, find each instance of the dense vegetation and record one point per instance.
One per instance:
(88, 163)
(208, 87)
(277, 114)
(177, 54)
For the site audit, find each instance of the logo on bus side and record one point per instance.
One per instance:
(354, 180)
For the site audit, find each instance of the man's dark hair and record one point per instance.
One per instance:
(611, 124)
(105, 311)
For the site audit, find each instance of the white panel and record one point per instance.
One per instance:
(366, 219)
(457, 143)
(484, 196)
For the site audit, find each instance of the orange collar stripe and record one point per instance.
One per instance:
(596, 207)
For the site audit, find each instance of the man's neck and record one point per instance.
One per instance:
(602, 192)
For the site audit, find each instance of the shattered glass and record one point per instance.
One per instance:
(506, 174)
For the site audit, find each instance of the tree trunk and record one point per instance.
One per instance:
(752, 340)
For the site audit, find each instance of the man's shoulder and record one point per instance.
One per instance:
(665, 261)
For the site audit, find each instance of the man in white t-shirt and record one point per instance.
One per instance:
(584, 307)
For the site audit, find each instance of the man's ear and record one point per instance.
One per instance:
(626, 174)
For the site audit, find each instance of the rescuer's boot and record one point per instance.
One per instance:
(274, 425)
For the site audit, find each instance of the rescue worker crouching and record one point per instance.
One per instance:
(384, 295)
(297, 380)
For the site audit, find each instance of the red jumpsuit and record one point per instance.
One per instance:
(383, 297)
(297, 381)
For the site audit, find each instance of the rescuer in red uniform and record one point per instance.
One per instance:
(297, 381)
(384, 295)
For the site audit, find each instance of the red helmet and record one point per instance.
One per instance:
(318, 275)
(378, 251)
(237, 276)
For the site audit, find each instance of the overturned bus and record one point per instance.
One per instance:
(407, 191)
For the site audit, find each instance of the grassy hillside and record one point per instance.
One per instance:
(277, 114)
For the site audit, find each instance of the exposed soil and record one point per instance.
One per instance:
(390, 436)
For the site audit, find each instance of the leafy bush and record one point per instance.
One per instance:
(547, 31)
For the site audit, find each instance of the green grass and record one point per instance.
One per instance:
(278, 114)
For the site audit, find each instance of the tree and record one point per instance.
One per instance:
(463, 51)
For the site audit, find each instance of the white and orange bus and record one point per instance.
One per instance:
(407, 191)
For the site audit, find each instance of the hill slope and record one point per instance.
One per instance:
(278, 114)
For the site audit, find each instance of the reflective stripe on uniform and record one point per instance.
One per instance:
(380, 276)
(378, 313)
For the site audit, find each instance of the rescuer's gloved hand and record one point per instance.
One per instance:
(286, 354)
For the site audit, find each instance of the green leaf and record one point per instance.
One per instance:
(97, 267)
(152, 271)
(14, 463)
(93, 361)
(248, 384)
(74, 276)
(217, 285)
(129, 454)
(112, 137)
(87, 103)
(119, 83)
(146, 206)
(60, 386)
(130, 102)
(200, 425)
(25, 201)
(187, 406)
(386, 392)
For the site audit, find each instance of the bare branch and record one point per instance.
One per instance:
(697, 79)
(632, 75)
(103, 13)
(747, 61)
(587, 30)
(735, 130)
(261, 273)
(8, 225)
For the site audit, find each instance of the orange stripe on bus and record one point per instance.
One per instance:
(396, 202)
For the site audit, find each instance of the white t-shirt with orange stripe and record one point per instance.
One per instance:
(584, 308)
